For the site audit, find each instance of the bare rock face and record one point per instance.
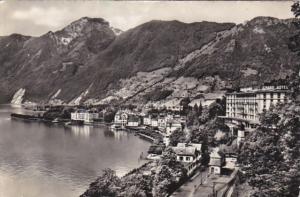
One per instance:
(88, 58)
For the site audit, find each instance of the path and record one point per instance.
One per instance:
(188, 189)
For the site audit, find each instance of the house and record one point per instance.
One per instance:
(189, 155)
(84, 116)
(121, 118)
(216, 162)
(173, 125)
(133, 121)
(154, 122)
(147, 120)
(161, 122)
(230, 160)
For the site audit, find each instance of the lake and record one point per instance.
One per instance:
(38, 159)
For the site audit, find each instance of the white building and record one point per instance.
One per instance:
(173, 125)
(121, 118)
(154, 122)
(86, 116)
(133, 121)
(216, 161)
(161, 121)
(245, 106)
(189, 155)
(147, 120)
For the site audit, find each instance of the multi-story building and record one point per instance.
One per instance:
(85, 116)
(147, 120)
(133, 121)
(246, 105)
(121, 118)
(188, 154)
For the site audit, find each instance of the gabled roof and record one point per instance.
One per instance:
(215, 162)
(197, 146)
(184, 151)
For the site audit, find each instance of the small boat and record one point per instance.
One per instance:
(115, 127)
(55, 120)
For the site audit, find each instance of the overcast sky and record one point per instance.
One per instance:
(38, 17)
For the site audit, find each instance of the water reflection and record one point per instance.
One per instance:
(81, 131)
(37, 159)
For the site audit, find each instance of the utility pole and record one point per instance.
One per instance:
(214, 184)
(201, 182)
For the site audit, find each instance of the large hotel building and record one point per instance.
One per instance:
(244, 107)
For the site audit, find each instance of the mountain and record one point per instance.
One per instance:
(90, 61)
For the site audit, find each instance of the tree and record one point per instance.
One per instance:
(137, 185)
(107, 185)
(200, 109)
(169, 175)
(271, 155)
(176, 137)
(296, 9)
(269, 118)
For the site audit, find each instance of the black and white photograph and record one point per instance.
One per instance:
(149, 98)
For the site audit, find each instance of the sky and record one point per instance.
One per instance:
(38, 17)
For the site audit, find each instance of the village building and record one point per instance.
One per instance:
(230, 161)
(154, 122)
(121, 118)
(84, 116)
(173, 125)
(189, 155)
(147, 120)
(161, 122)
(133, 121)
(216, 161)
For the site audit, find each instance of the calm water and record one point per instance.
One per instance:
(37, 160)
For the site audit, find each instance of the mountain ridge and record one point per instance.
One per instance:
(88, 61)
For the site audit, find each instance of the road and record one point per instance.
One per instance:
(188, 189)
(194, 188)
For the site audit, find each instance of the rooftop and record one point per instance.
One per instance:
(185, 151)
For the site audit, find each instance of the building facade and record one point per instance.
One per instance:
(190, 155)
(121, 118)
(133, 121)
(216, 161)
(246, 105)
(147, 120)
(85, 116)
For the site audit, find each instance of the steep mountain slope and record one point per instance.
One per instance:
(89, 60)
(249, 54)
(43, 65)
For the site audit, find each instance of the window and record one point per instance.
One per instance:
(181, 158)
(187, 158)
